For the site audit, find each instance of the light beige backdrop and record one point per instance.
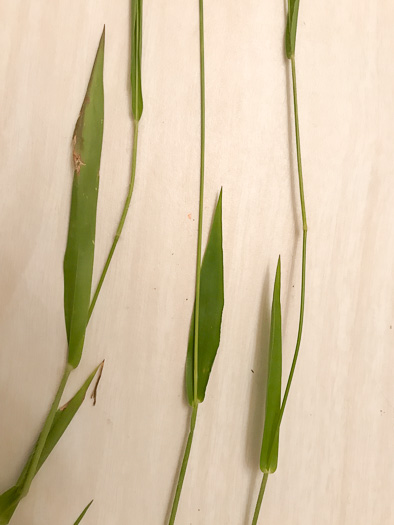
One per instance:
(336, 451)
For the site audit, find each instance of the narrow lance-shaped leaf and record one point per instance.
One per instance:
(211, 308)
(9, 500)
(83, 513)
(78, 259)
(136, 52)
(270, 445)
(291, 28)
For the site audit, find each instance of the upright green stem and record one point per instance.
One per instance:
(260, 499)
(44, 433)
(121, 222)
(201, 205)
(303, 273)
(198, 277)
(184, 466)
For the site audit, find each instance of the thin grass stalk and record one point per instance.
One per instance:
(184, 465)
(136, 7)
(121, 221)
(303, 280)
(260, 499)
(201, 204)
(193, 418)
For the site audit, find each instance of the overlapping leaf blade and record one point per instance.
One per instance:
(10, 499)
(270, 445)
(291, 29)
(78, 259)
(211, 308)
(83, 513)
(136, 52)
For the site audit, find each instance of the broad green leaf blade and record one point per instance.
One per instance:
(78, 259)
(291, 29)
(211, 308)
(83, 513)
(10, 499)
(136, 52)
(270, 445)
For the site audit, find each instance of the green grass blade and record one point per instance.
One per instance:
(78, 259)
(136, 52)
(291, 29)
(211, 308)
(270, 445)
(83, 513)
(10, 499)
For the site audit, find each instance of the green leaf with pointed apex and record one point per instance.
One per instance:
(270, 445)
(83, 513)
(78, 259)
(137, 104)
(211, 308)
(10, 499)
(291, 28)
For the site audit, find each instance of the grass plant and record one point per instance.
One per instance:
(204, 334)
(79, 255)
(274, 410)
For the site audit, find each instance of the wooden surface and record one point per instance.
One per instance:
(336, 464)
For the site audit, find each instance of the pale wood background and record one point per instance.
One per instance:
(336, 462)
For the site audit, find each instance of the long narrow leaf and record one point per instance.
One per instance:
(9, 500)
(136, 52)
(291, 29)
(211, 308)
(78, 259)
(83, 513)
(270, 445)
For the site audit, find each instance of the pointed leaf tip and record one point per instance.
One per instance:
(270, 445)
(83, 513)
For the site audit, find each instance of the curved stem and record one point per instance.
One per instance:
(201, 204)
(303, 280)
(184, 466)
(304, 237)
(121, 221)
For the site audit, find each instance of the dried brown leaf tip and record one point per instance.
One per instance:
(94, 393)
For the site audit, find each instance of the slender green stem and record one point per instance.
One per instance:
(303, 280)
(198, 278)
(184, 466)
(304, 237)
(200, 211)
(44, 433)
(260, 499)
(121, 222)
